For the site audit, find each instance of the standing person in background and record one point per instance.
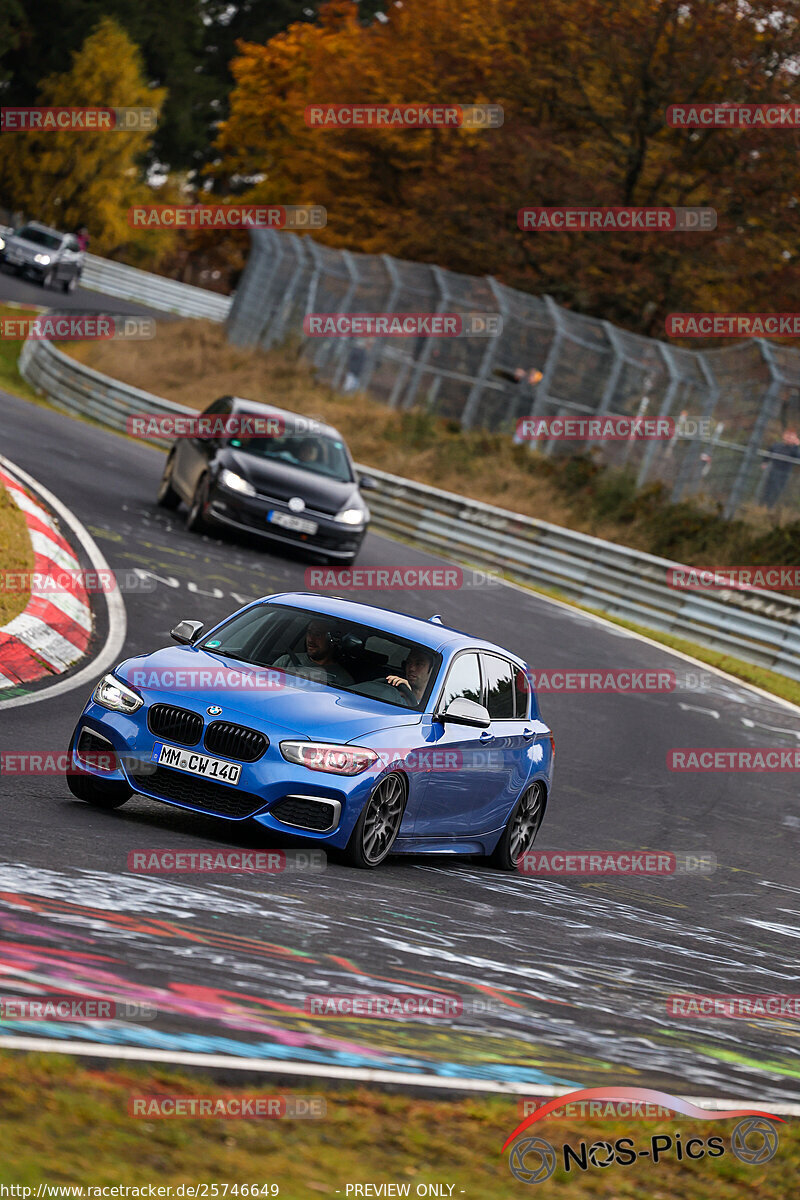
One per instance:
(524, 393)
(779, 469)
(82, 234)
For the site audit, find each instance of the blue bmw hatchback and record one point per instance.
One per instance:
(352, 726)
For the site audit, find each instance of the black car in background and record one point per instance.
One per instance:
(43, 254)
(297, 486)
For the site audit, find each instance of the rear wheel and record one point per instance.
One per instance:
(97, 792)
(379, 824)
(70, 284)
(167, 497)
(521, 830)
(47, 279)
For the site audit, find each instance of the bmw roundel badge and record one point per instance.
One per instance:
(214, 710)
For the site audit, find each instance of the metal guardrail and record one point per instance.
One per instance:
(157, 291)
(757, 626)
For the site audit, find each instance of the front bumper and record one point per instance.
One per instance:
(333, 802)
(249, 514)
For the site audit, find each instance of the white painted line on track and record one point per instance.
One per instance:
(117, 620)
(273, 1066)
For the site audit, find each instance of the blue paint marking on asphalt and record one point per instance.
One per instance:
(202, 1044)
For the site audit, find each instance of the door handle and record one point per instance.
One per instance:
(529, 734)
(486, 736)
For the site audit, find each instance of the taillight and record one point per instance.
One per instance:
(552, 741)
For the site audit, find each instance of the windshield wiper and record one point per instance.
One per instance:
(228, 654)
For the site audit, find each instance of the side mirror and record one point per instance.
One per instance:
(367, 483)
(187, 632)
(465, 712)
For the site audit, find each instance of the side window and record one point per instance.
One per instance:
(499, 687)
(463, 679)
(523, 691)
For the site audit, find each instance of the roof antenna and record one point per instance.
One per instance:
(435, 619)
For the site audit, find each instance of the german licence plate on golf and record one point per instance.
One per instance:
(287, 521)
(195, 764)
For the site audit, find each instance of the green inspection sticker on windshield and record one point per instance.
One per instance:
(216, 642)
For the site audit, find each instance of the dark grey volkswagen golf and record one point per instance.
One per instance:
(265, 471)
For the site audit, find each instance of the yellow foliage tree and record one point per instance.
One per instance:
(88, 177)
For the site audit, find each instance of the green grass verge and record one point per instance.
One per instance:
(68, 1123)
(10, 378)
(16, 554)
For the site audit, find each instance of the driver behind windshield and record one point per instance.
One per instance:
(318, 659)
(417, 668)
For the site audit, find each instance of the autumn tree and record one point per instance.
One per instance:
(91, 177)
(584, 85)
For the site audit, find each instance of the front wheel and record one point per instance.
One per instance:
(47, 279)
(379, 824)
(167, 496)
(521, 830)
(70, 284)
(97, 792)
(196, 516)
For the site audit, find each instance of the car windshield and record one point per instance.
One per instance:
(39, 237)
(322, 650)
(310, 452)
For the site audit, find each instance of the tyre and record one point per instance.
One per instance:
(196, 516)
(47, 279)
(97, 792)
(70, 284)
(167, 497)
(521, 830)
(379, 824)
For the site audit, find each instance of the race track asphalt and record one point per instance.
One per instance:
(578, 969)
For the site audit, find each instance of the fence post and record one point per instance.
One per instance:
(541, 395)
(277, 328)
(686, 470)
(342, 351)
(769, 409)
(378, 344)
(419, 363)
(472, 401)
(664, 411)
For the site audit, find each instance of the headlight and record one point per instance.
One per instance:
(44, 259)
(320, 756)
(235, 483)
(2, 244)
(350, 516)
(113, 694)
